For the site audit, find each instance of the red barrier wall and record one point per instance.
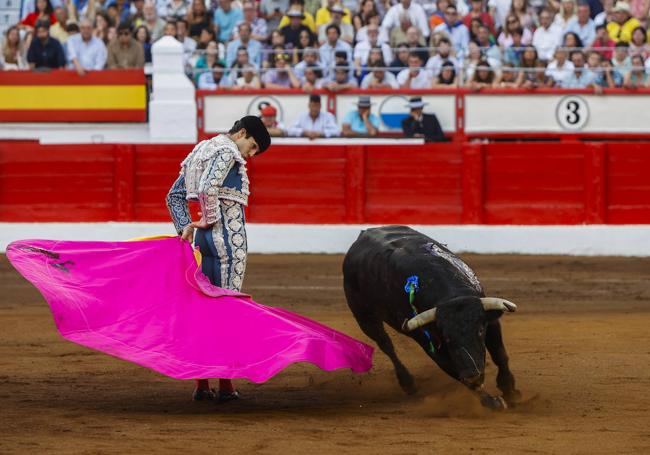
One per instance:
(495, 183)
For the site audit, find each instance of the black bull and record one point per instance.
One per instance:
(455, 322)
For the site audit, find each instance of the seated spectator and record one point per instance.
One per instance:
(306, 40)
(154, 24)
(313, 78)
(419, 124)
(247, 78)
(416, 44)
(637, 76)
(241, 61)
(379, 78)
(621, 60)
(375, 55)
(472, 60)
(621, 28)
(566, 13)
(45, 52)
(12, 56)
(505, 39)
(478, 11)
(438, 16)
(559, 70)
(508, 78)
(572, 41)
(606, 75)
(443, 54)
(253, 47)
(333, 45)
(43, 11)
(532, 73)
(414, 77)
(447, 77)
(454, 29)
(225, 18)
(137, 13)
(282, 75)
(101, 25)
(347, 31)
(170, 28)
(362, 18)
(362, 33)
(143, 37)
(126, 52)
(176, 9)
(85, 51)
(514, 52)
(269, 61)
(547, 37)
(207, 60)
(268, 114)
(583, 25)
(272, 11)
(340, 80)
(360, 122)
(324, 16)
(525, 13)
(483, 76)
(215, 79)
(294, 28)
(259, 29)
(189, 45)
(401, 59)
(398, 34)
(414, 11)
(309, 58)
(581, 77)
(603, 43)
(489, 47)
(119, 10)
(362, 49)
(639, 43)
(308, 19)
(197, 18)
(57, 30)
(314, 123)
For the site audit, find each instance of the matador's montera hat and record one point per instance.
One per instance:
(256, 128)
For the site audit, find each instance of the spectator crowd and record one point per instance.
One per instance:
(342, 44)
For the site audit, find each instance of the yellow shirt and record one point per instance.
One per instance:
(323, 16)
(618, 32)
(308, 21)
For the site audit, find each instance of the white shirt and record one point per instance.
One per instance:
(547, 40)
(435, 63)
(389, 78)
(91, 55)
(362, 49)
(422, 80)
(325, 123)
(502, 9)
(362, 35)
(415, 12)
(560, 75)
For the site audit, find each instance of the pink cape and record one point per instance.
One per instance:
(146, 302)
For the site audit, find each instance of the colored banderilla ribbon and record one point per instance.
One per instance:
(411, 287)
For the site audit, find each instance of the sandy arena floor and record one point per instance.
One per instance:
(579, 348)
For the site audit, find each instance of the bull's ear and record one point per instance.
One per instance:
(497, 304)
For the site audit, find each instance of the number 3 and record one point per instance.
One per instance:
(573, 117)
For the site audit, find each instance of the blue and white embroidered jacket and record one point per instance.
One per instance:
(214, 170)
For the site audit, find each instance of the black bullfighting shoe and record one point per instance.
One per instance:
(224, 397)
(204, 395)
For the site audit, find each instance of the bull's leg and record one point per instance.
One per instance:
(497, 350)
(375, 330)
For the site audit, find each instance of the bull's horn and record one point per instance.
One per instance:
(421, 319)
(495, 303)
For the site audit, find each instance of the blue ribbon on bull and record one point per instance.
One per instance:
(411, 287)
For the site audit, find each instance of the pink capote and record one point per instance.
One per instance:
(147, 302)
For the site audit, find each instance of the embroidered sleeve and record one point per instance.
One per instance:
(177, 205)
(213, 176)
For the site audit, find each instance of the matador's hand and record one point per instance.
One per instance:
(201, 224)
(188, 233)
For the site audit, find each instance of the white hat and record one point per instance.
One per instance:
(416, 103)
(622, 6)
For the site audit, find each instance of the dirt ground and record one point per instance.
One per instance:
(579, 348)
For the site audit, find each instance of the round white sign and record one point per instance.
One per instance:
(572, 113)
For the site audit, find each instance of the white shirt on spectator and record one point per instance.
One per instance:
(435, 62)
(206, 81)
(362, 49)
(326, 52)
(560, 75)
(506, 40)
(389, 78)
(422, 80)
(587, 32)
(325, 123)
(415, 12)
(458, 35)
(546, 40)
(91, 55)
(502, 9)
(362, 35)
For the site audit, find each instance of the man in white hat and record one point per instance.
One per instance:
(621, 28)
(361, 122)
(337, 13)
(419, 124)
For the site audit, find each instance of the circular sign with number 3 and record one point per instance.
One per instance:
(572, 113)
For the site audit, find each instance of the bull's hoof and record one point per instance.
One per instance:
(494, 403)
(512, 398)
(407, 383)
